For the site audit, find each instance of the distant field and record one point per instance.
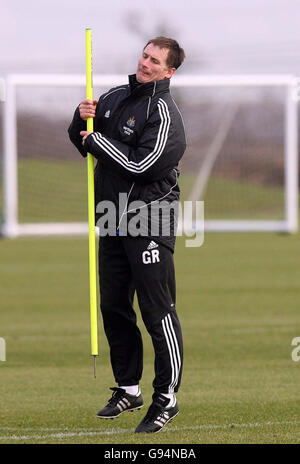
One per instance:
(238, 301)
(53, 191)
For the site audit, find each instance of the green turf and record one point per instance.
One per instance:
(238, 301)
(52, 190)
(55, 191)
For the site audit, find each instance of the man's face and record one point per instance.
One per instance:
(152, 65)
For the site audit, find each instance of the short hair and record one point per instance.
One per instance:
(176, 54)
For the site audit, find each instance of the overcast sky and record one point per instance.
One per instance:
(222, 36)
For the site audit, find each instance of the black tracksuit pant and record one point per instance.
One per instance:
(129, 264)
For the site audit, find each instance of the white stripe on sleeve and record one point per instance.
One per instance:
(147, 162)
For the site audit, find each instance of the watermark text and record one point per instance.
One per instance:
(155, 219)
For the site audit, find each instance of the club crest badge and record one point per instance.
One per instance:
(131, 121)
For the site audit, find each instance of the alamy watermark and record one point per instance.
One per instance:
(296, 351)
(2, 89)
(296, 90)
(2, 349)
(154, 219)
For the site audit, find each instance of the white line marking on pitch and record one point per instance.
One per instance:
(91, 432)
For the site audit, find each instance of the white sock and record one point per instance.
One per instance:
(172, 399)
(131, 389)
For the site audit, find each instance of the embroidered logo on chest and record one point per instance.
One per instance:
(131, 121)
(129, 126)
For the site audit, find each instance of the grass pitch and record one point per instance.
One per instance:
(59, 200)
(238, 301)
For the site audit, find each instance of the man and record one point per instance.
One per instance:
(138, 140)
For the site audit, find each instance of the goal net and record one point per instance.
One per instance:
(241, 158)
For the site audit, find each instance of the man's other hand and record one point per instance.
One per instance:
(87, 109)
(84, 135)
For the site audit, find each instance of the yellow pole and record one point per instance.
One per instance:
(91, 207)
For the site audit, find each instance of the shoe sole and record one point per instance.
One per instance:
(157, 431)
(125, 410)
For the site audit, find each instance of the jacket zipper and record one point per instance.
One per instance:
(125, 206)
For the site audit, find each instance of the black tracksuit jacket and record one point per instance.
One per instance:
(138, 140)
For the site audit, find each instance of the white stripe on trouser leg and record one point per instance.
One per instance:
(173, 351)
(170, 354)
(177, 354)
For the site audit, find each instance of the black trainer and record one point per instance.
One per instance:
(120, 402)
(158, 415)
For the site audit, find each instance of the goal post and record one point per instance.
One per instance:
(13, 227)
